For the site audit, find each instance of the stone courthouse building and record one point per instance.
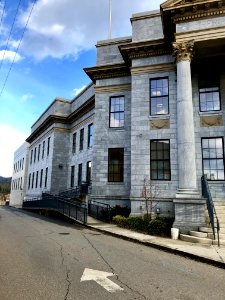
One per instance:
(153, 113)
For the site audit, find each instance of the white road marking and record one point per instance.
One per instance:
(101, 278)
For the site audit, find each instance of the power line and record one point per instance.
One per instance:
(3, 10)
(10, 33)
(17, 49)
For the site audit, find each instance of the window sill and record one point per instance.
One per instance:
(115, 183)
(210, 113)
(117, 128)
(159, 117)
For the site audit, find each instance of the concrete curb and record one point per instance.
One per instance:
(192, 256)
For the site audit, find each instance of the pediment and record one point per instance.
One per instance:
(173, 4)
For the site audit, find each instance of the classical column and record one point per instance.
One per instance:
(187, 186)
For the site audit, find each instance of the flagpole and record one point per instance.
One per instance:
(110, 19)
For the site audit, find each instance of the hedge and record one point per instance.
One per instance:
(158, 226)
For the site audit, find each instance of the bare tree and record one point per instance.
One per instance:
(149, 193)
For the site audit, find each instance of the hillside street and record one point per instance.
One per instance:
(46, 258)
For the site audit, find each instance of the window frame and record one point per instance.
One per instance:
(155, 97)
(72, 176)
(119, 165)
(119, 112)
(48, 146)
(80, 174)
(200, 93)
(46, 177)
(41, 178)
(90, 135)
(160, 160)
(81, 146)
(209, 138)
(88, 171)
(43, 149)
(74, 142)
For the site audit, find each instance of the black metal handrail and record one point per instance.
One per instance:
(211, 209)
(57, 203)
(99, 210)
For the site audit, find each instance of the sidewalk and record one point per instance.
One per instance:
(209, 254)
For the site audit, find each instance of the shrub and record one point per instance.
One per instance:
(119, 210)
(120, 221)
(158, 226)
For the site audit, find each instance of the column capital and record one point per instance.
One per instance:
(183, 50)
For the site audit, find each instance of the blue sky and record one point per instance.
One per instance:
(48, 61)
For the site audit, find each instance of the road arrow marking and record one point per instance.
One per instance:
(101, 278)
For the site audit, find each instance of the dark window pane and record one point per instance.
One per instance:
(115, 164)
(160, 160)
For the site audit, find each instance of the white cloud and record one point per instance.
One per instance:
(78, 90)
(26, 97)
(62, 28)
(10, 140)
(10, 56)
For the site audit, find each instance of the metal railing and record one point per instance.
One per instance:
(99, 210)
(214, 221)
(57, 203)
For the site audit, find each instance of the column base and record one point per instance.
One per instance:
(188, 194)
(189, 213)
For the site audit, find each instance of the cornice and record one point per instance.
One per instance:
(53, 119)
(113, 88)
(174, 12)
(107, 71)
(198, 15)
(167, 67)
(144, 49)
(46, 124)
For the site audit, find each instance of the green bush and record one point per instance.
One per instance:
(158, 226)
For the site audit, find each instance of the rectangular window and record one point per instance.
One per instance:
(41, 178)
(79, 174)
(21, 183)
(160, 160)
(39, 151)
(81, 139)
(209, 91)
(29, 181)
(213, 158)
(90, 135)
(46, 177)
(48, 146)
(32, 185)
(72, 176)
(31, 156)
(74, 144)
(159, 96)
(23, 164)
(43, 149)
(116, 118)
(115, 164)
(88, 172)
(36, 185)
(209, 99)
(35, 152)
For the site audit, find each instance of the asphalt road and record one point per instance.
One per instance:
(45, 258)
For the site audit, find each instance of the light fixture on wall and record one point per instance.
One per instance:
(158, 211)
(60, 166)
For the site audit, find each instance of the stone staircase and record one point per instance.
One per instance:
(204, 235)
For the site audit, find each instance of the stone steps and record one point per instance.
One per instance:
(222, 242)
(199, 234)
(222, 236)
(195, 239)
